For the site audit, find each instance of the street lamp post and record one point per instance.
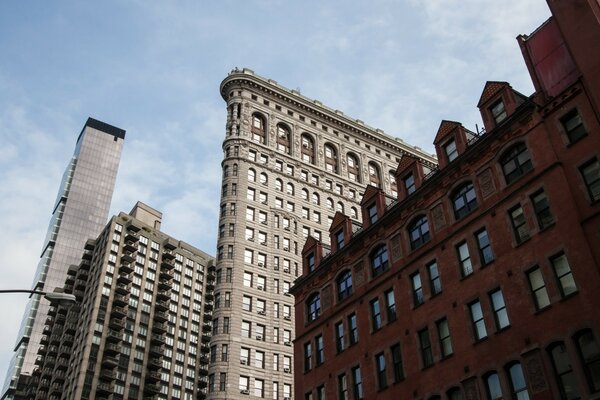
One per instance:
(53, 297)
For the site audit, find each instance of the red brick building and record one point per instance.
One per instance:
(482, 280)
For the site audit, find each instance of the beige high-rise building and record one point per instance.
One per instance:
(290, 163)
(141, 325)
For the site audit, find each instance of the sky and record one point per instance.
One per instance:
(154, 68)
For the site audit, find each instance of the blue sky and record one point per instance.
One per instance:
(153, 68)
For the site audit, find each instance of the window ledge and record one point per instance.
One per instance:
(567, 297)
(574, 142)
(547, 227)
(502, 330)
(541, 310)
(522, 242)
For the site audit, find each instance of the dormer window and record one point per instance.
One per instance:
(339, 238)
(409, 184)
(372, 210)
(310, 262)
(498, 111)
(450, 150)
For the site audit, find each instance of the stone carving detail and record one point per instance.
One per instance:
(358, 273)
(471, 389)
(486, 183)
(534, 370)
(326, 297)
(439, 218)
(396, 248)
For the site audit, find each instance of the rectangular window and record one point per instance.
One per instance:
(390, 305)
(443, 331)
(376, 314)
(498, 112)
(466, 268)
(339, 337)
(319, 350)
(425, 345)
(542, 209)
(479, 329)
(538, 288)
(409, 184)
(342, 387)
(372, 210)
(519, 224)
(418, 295)
(307, 356)
(352, 329)
(435, 283)
(499, 307)
(486, 255)
(397, 363)
(450, 150)
(357, 384)
(573, 126)
(380, 368)
(591, 176)
(563, 273)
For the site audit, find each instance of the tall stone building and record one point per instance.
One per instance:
(141, 325)
(290, 163)
(80, 212)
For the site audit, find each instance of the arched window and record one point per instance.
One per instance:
(315, 198)
(251, 175)
(313, 307)
(353, 213)
(259, 129)
(518, 386)
(308, 149)
(234, 171)
(353, 167)
(331, 161)
(279, 185)
(344, 284)
(289, 188)
(464, 200)
(379, 260)
(418, 232)
(564, 375)
(454, 394)
(226, 171)
(264, 179)
(515, 162)
(374, 175)
(329, 203)
(304, 194)
(590, 357)
(492, 386)
(283, 138)
(340, 207)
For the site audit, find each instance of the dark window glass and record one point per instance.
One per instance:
(498, 111)
(342, 387)
(418, 232)
(518, 385)
(380, 368)
(477, 320)
(450, 150)
(590, 358)
(376, 314)
(379, 261)
(320, 351)
(444, 336)
(464, 258)
(591, 176)
(344, 285)
(307, 356)
(418, 295)
(499, 307)
(573, 126)
(353, 328)
(425, 345)
(313, 309)
(357, 383)
(372, 210)
(409, 184)
(390, 305)
(397, 362)
(435, 282)
(485, 249)
(565, 377)
(492, 386)
(464, 200)
(515, 162)
(542, 209)
(339, 337)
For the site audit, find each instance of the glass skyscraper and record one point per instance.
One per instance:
(79, 213)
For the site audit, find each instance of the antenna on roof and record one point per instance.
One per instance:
(479, 132)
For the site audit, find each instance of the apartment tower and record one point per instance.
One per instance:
(80, 212)
(290, 163)
(141, 327)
